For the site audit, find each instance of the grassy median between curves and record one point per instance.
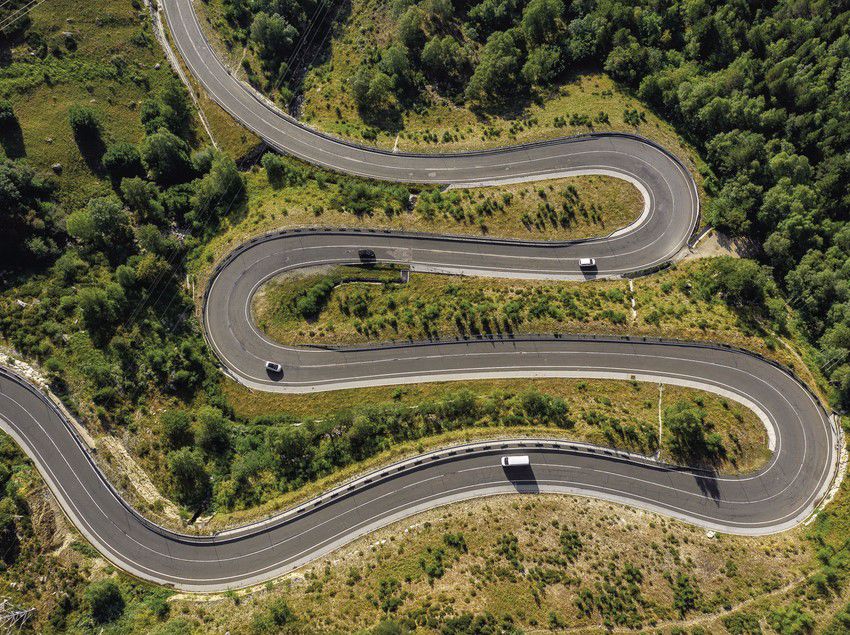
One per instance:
(531, 562)
(288, 193)
(685, 302)
(402, 421)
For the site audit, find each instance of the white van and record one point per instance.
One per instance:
(515, 461)
(587, 263)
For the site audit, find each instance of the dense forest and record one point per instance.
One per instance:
(761, 88)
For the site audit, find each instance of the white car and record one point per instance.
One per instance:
(274, 367)
(515, 461)
(587, 263)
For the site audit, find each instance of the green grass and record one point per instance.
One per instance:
(601, 204)
(431, 306)
(111, 69)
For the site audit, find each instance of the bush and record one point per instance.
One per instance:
(221, 190)
(357, 197)
(791, 620)
(213, 434)
(176, 429)
(312, 301)
(166, 157)
(281, 173)
(274, 618)
(7, 114)
(9, 545)
(692, 438)
(104, 601)
(85, 122)
(497, 75)
(171, 110)
(123, 160)
(191, 482)
(686, 594)
(741, 282)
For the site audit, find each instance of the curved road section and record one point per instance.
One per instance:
(777, 497)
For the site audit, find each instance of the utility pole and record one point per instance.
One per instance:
(12, 617)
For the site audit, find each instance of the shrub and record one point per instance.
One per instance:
(570, 544)
(312, 301)
(691, 436)
(791, 620)
(213, 435)
(85, 122)
(274, 618)
(7, 113)
(686, 595)
(104, 601)
(122, 160)
(176, 428)
(166, 157)
(191, 482)
(281, 173)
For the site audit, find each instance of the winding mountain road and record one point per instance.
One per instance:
(777, 497)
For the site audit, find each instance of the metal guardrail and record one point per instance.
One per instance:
(277, 234)
(289, 514)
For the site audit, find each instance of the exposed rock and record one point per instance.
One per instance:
(57, 167)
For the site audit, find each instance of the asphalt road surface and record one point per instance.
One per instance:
(777, 497)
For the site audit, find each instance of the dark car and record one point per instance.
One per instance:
(366, 255)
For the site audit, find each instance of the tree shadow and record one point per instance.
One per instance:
(708, 484)
(515, 105)
(510, 107)
(12, 140)
(92, 148)
(389, 120)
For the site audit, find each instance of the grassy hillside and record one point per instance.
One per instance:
(110, 324)
(675, 303)
(102, 54)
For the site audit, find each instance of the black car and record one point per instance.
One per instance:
(366, 255)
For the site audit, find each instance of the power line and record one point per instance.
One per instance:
(5, 3)
(13, 617)
(309, 35)
(14, 17)
(288, 72)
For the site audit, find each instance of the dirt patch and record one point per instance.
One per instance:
(133, 474)
(714, 243)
